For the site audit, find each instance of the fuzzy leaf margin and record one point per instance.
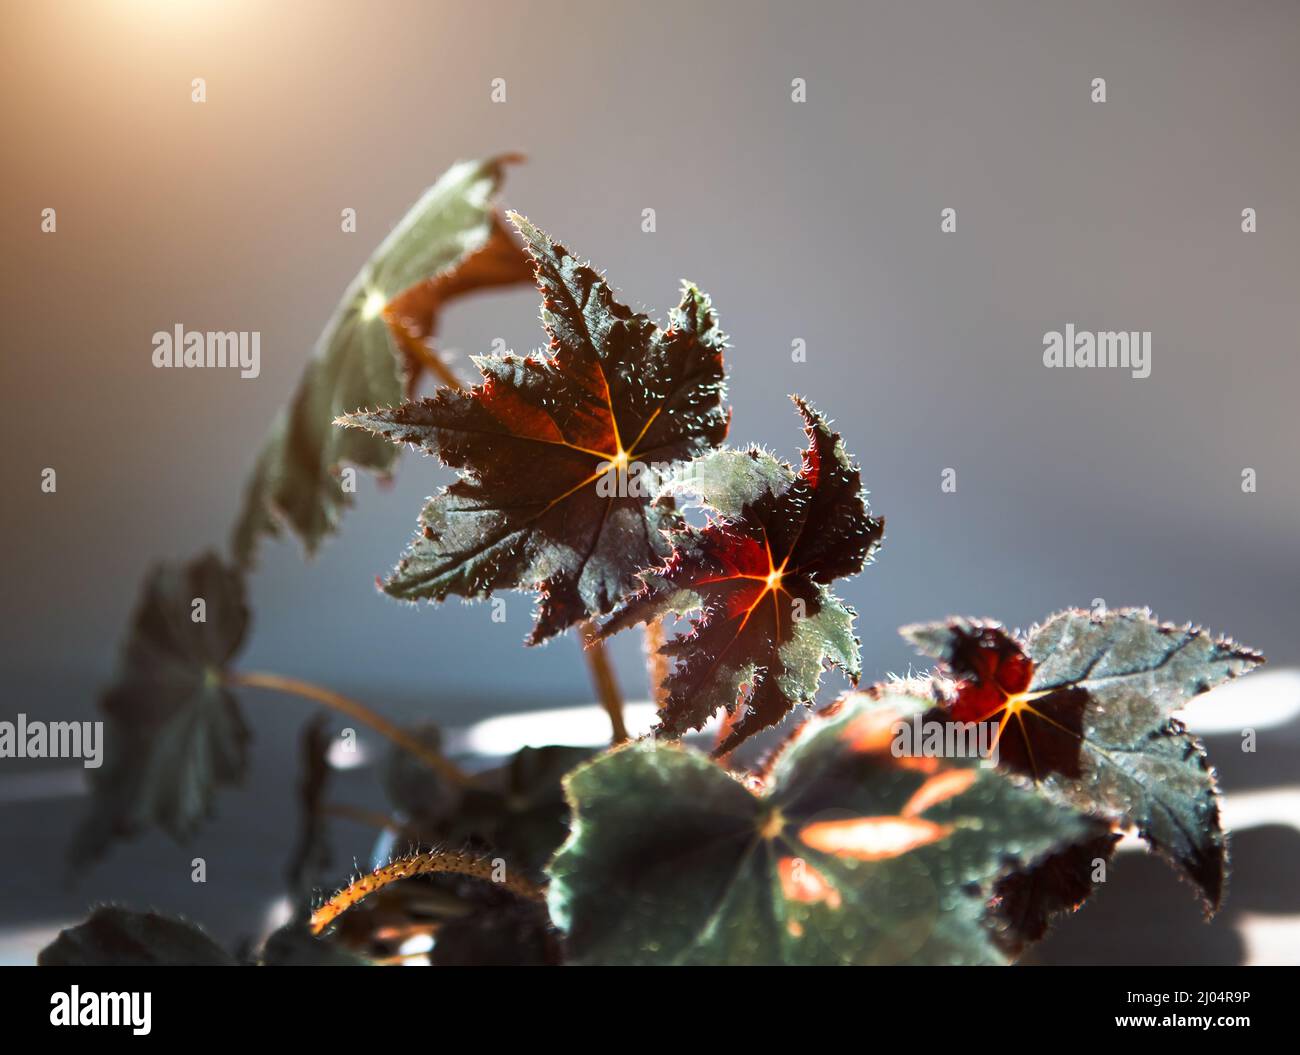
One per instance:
(174, 733)
(554, 450)
(756, 580)
(844, 854)
(372, 351)
(1085, 705)
(117, 937)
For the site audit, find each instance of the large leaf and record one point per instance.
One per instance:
(452, 242)
(118, 937)
(844, 855)
(758, 578)
(554, 450)
(1085, 706)
(173, 733)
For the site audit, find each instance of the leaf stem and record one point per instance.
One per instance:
(602, 677)
(656, 662)
(359, 711)
(347, 812)
(421, 352)
(426, 863)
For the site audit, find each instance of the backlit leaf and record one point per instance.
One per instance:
(1026, 903)
(757, 575)
(1085, 707)
(844, 854)
(373, 350)
(553, 449)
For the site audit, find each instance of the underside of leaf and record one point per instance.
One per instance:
(374, 350)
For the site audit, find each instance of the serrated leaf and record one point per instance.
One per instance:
(1085, 706)
(118, 937)
(173, 733)
(552, 449)
(757, 575)
(844, 855)
(373, 350)
(1025, 904)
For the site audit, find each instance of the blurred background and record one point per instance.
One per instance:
(817, 221)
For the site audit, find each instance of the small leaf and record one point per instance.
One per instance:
(1025, 904)
(424, 797)
(517, 810)
(844, 854)
(174, 733)
(554, 451)
(452, 242)
(523, 815)
(1084, 706)
(118, 937)
(758, 577)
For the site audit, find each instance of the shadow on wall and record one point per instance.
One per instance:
(1146, 916)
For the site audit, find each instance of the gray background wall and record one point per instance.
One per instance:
(818, 220)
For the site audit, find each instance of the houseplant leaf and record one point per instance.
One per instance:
(1026, 903)
(1085, 706)
(843, 854)
(118, 937)
(173, 732)
(516, 809)
(452, 242)
(553, 449)
(758, 576)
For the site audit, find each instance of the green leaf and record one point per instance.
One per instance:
(520, 810)
(118, 937)
(1085, 706)
(173, 733)
(757, 577)
(516, 810)
(1025, 904)
(452, 242)
(843, 855)
(425, 798)
(555, 451)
